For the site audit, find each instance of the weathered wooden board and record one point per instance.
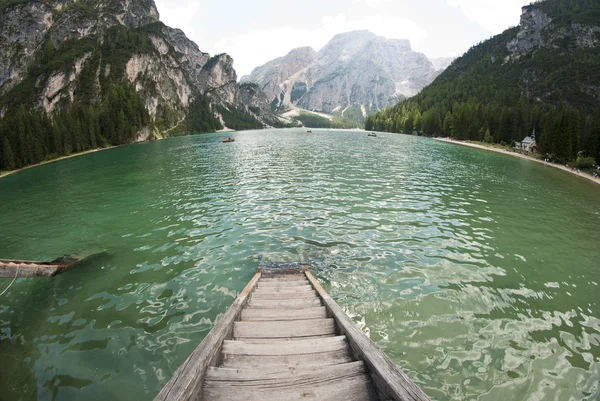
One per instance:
(330, 388)
(285, 304)
(290, 277)
(34, 269)
(283, 329)
(279, 295)
(318, 312)
(282, 284)
(327, 344)
(283, 376)
(388, 378)
(285, 290)
(260, 362)
(11, 269)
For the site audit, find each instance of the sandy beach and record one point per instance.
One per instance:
(533, 159)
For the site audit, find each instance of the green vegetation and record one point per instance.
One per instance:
(310, 120)
(237, 119)
(30, 136)
(352, 115)
(584, 163)
(486, 96)
(201, 117)
(4, 4)
(108, 114)
(565, 11)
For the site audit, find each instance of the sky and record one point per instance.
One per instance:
(254, 32)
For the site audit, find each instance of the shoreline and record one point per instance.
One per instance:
(6, 173)
(10, 172)
(522, 156)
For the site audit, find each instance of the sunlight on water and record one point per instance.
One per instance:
(476, 272)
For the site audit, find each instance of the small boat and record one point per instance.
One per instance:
(285, 338)
(309, 132)
(229, 140)
(372, 134)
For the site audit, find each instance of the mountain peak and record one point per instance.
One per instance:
(354, 68)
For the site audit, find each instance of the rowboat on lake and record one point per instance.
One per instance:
(285, 338)
(229, 140)
(372, 134)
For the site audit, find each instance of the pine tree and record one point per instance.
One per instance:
(8, 158)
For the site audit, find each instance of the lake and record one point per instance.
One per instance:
(478, 273)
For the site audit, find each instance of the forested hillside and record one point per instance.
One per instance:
(544, 74)
(82, 74)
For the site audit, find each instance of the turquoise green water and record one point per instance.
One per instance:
(476, 272)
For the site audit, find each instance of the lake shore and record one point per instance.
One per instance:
(522, 156)
(9, 172)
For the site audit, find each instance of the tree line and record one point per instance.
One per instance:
(493, 95)
(30, 136)
(563, 133)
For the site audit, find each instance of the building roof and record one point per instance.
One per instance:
(528, 140)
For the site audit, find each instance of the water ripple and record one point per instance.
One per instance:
(465, 266)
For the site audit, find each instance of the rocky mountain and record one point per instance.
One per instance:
(441, 63)
(354, 69)
(542, 75)
(94, 73)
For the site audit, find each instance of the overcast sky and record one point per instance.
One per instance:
(256, 31)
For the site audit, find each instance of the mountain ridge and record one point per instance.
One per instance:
(75, 75)
(356, 68)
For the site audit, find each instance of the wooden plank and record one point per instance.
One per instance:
(329, 385)
(284, 314)
(282, 284)
(28, 270)
(388, 378)
(326, 344)
(288, 361)
(285, 339)
(289, 277)
(279, 329)
(278, 295)
(242, 377)
(285, 304)
(10, 268)
(285, 290)
(186, 383)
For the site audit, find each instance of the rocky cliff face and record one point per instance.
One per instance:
(355, 68)
(106, 42)
(538, 30)
(568, 42)
(533, 21)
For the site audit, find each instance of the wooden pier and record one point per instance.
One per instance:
(284, 338)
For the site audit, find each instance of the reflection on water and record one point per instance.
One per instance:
(476, 272)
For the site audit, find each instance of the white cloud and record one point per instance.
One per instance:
(493, 15)
(258, 31)
(179, 16)
(260, 46)
(374, 3)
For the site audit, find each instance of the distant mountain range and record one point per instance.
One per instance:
(354, 70)
(543, 74)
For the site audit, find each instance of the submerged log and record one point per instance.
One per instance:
(10, 268)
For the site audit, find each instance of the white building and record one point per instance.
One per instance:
(528, 144)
